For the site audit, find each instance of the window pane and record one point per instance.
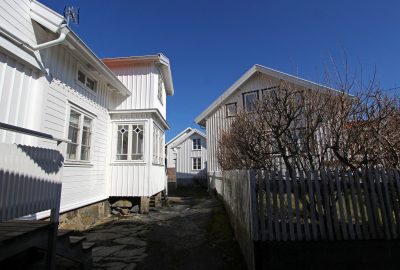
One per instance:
(122, 142)
(231, 109)
(91, 84)
(250, 100)
(137, 142)
(73, 132)
(81, 77)
(86, 134)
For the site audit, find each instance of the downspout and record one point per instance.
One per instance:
(63, 30)
(63, 34)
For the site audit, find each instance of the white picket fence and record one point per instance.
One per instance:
(311, 206)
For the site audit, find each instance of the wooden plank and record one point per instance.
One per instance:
(282, 207)
(253, 205)
(288, 183)
(261, 203)
(275, 214)
(326, 205)
(314, 227)
(378, 183)
(304, 203)
(268, 195)
(320, 214)
(374, 204)
(332, 190)
(349, 215)
(396, 182)
(355, 205)
(368, 201)
(297, 207)
(341, 207)
(388, 204)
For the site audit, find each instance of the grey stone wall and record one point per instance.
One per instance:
(85, 217)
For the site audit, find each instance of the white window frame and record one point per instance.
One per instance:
(83, 113)
(193, 164)
(87, 75)
(129, 150)
(193, 144)
(160, 90)
(227, 109)
(244, 100)
(158, 145)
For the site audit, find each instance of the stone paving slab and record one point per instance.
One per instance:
(180, 236)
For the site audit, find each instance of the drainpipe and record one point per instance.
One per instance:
(63, 30)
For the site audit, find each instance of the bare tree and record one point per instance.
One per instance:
(303, 129)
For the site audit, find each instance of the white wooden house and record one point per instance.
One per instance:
(188, 151)
(252, 85)
(114, 112)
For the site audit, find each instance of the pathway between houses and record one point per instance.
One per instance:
(192, 233)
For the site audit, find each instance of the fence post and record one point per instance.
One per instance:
(253, 205)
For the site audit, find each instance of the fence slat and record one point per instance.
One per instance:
(396, 181)
(382, 203)
(297, 207)
(304, 203)
(270, 228)
(261, 203)
(395, 196)
(253, 205)
(289, 203)
(346, 194)
(374, 204)
(320, 213)
(314, 227)
(355, 205)
(282, 207)
(275, 214)
(331, 180)
(388, 204)
(327, 207)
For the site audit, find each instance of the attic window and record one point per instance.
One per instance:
(86, 81)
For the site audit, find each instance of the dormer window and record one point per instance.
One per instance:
(86, 81)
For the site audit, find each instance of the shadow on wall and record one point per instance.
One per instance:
(50, 161)
(192, 179)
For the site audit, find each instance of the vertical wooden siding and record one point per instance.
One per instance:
(185, 154)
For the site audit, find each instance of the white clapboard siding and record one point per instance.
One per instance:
(218, 122)
(185, 155)
(81, 184)
(19, 91)
(15, 17)
(30, 180)
(142, 80)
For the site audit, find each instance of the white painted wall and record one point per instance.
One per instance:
(171, 154)
(219, 122)
(185, 154)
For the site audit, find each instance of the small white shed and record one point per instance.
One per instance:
(189, 153)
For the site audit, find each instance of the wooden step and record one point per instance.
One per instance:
(64, 233)
(87, 246)
(74, 240)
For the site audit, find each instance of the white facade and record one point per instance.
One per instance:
(189, 150)
(66, 91)
(219, 115)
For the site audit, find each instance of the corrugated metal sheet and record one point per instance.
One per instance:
(30, 180)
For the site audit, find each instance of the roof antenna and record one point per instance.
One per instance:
(71, 14)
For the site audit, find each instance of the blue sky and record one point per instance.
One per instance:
(210, 43)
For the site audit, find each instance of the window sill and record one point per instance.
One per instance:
(77, 163)
(128, 162)
(196, 149)
(158, 164)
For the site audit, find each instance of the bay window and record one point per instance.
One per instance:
(130, 142)
(158, 145)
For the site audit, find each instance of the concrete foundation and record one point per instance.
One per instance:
(85, 217)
